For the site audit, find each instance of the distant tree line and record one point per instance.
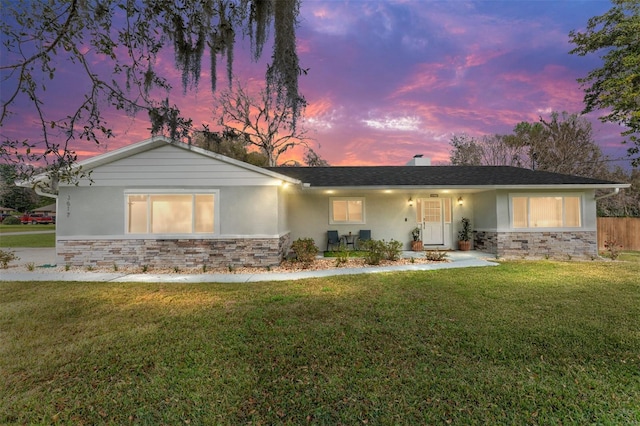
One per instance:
(15, 197)
(563, 144)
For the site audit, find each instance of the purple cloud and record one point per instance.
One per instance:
(390, 79)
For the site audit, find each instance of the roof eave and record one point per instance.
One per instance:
(307, 186)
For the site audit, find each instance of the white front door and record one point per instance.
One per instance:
(432, 223)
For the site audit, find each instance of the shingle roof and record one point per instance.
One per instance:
(431, 176)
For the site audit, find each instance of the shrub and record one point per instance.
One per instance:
(393, 249)
(342, 255)
(375, 250)
(613, 247)
(436, 255)
(6, 257)
(305, 250)
(11, 220)
(378, 250)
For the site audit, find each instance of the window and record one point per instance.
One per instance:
(346, 210)
(170, 213)
(447, 210)
(546, 212)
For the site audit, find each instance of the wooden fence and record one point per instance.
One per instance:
(625, 230)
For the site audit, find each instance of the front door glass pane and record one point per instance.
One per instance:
(432, 211)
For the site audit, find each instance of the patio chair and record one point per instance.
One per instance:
(333, 239)
(363, 235)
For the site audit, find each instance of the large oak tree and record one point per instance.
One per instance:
(115, 46)
(266, 124)
(615, 86)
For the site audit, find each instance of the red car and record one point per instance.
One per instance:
(36, 218)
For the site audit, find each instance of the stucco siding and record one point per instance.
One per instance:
(388, 216)
(589, 212)
(90, 211)
(284, 193)
(100, 211)
(484, 207)
(249, 210)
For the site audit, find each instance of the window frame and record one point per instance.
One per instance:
(193, 193)
(347, 222)
(529, 196)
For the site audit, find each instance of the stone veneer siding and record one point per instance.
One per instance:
(170, 253)
(555, 244)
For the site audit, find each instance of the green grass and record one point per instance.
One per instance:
(34, 239)
(26, 228)
(521, 343)
(28, 240)
(630, 256)
(624, 256)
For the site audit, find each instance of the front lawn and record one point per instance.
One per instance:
(26, 228)
(32, 236)
(630, 256)
(28, 240)
(521, 343)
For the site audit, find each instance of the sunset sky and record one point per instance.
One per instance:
(390, 79)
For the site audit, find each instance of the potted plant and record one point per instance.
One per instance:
(416, 244)
(464, 236)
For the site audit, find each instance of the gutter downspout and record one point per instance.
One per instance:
(615, 192)
(53, 185)
(45, 194)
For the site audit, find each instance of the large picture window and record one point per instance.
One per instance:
(546, 212)
(171, 213)
(346, 210)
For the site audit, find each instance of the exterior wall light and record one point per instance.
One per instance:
(410, 202)
(460, 201)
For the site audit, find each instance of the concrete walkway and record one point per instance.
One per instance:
(43, 258)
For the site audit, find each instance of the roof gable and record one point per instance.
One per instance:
(110, 162)
(160, 143)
